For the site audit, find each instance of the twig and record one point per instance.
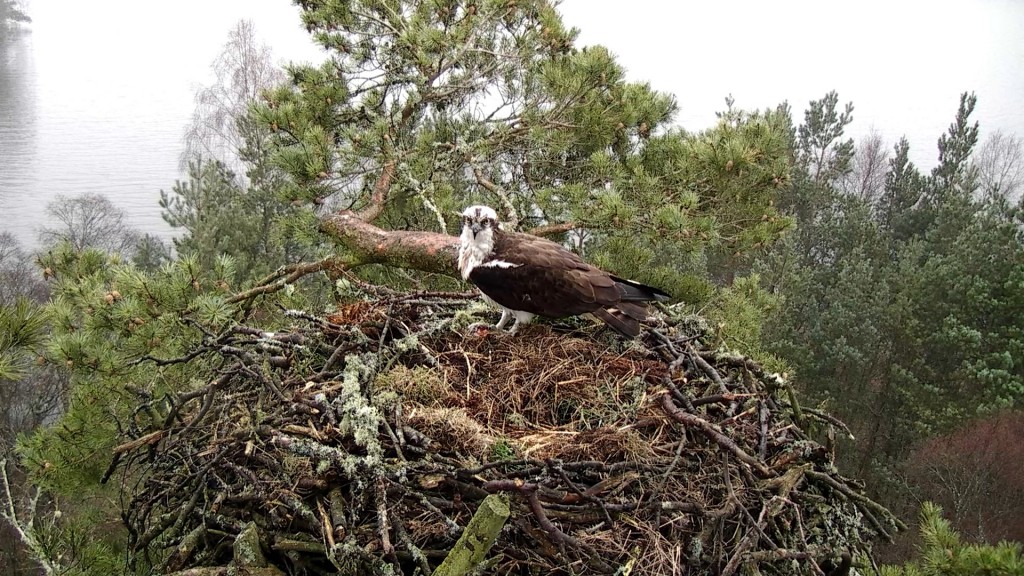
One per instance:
(708, 369)
(861, 499)
(711, 430)
(513, 218)
(383, 522)
(290, 274)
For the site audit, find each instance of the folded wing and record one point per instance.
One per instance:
(536, 275)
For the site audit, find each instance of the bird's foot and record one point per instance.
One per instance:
(481, 329)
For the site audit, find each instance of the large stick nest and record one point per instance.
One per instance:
(362, 443)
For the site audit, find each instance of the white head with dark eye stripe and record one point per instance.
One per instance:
(477, 239)
(477, 220)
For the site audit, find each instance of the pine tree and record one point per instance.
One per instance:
(944, 553)
(425, 107)
(898, 315)
(955, 175)
(222, 216)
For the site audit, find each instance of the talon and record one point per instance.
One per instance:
(479, 329)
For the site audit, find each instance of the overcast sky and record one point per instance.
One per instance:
(902, 63)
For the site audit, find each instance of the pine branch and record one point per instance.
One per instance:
(553, 229)
(380, 193)
(512, 220)
(365, 243)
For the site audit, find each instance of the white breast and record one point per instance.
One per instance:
(473, 251)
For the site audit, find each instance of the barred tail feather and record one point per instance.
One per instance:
(620, 321)
(635, 310)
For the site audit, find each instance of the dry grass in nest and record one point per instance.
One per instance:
(451, 427)
(542, 381)
(549, 395)
(606, 444)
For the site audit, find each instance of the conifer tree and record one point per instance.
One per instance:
(889, 317)
(944, 553)
(220, 215)
(422, 107)
(904, 187)
(425, 107)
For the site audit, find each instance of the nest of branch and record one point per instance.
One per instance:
(364, 442)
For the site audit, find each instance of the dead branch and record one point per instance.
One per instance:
(714, 433)
(553, 229)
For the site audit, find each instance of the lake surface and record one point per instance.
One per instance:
(95, 97)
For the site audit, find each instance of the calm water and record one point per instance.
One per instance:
(94, 97)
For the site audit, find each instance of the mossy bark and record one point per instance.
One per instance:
(477, 539)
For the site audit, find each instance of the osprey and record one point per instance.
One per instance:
(527, 276)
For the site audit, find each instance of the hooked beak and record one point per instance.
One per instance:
(475, 228)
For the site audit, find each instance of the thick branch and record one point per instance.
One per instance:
(476, 541)
(368, 244)
(714, 433)
(414, 250)
(380, 192)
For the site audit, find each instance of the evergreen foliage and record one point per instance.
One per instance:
(222, 216)
(899, 311)
(443, 104)
(899, 315)
(944, 553)
(29, 393)
(447, 104)
(116, 329)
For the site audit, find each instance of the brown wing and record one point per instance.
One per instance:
(544, 278)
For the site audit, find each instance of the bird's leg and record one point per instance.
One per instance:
(505, 315)
(521, 320)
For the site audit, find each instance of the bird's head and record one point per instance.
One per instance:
(478, 224)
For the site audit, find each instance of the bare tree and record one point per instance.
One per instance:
(10, 12)
(19, 276)
(89, 221)
(866, 178)
(243, 70)
(27, 399)
(975, 474)
(35, 399)
(1000, 164)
